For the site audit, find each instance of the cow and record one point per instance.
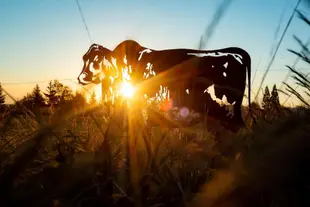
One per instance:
(209, 81)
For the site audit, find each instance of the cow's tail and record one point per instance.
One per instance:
(247, 61)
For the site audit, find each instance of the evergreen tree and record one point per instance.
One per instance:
(51, 93)
(266, 99)
(266, 104)
(274, 99)
(57, 93)
(33, 100)
(37, 98)
(2, 98)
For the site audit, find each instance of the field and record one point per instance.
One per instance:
(58, 149)
(81, 157)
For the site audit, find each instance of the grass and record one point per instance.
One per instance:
(69, 158)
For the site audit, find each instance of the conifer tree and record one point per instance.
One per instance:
(274, 99)
(37, 97)
(57, 93)
(266, 99)
(51, 93)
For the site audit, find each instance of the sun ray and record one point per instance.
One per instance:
(127, 90)
(98, 92)
(165, 77)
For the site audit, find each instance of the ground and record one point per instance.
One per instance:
(83, 158)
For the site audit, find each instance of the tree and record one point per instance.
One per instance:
(57, 93)
(51, 93)
(271, 103)
(2, 98)
(66, 94)
(33, 100)
(266, 104)
(266, 99)
(274, 99)
(37, 97)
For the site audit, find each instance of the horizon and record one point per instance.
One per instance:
(51, 35)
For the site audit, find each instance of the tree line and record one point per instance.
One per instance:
(55, 94)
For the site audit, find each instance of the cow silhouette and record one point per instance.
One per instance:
(207, 81)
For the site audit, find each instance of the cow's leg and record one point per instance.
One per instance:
(182, 95)
(198, 98)
(234, 122)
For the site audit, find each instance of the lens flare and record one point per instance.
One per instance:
(121, 84)
(127, 90)
(184, 112)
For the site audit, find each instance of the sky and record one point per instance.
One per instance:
(43, 40)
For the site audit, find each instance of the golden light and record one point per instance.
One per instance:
(98, 92)
(127, 90)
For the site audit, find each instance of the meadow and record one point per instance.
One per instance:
(76, 153)
(57, 149)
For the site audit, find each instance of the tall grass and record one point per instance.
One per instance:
(74, 159)
(88, 157)
(68, 149)
(301, 79)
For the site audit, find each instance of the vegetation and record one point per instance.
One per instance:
(57, 149)
(271, 104)
(57, 93)
(93, 99)
(78, 155)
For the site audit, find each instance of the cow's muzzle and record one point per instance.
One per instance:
(84, 79)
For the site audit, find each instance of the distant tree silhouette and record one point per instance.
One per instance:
(274, 100)
(271, 104)
(33, 100)
(37, 97)
(267, 104)
(51, 93)
(266, 99)
(57, 93)
(2, 99)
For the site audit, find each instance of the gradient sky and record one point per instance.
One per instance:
(45, 39)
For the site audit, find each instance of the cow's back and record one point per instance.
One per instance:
(179, 68)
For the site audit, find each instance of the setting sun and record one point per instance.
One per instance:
(127, 90)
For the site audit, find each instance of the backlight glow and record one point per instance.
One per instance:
(127, 90)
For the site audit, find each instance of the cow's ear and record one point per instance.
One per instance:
(94, 45)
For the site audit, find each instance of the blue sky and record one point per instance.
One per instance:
(45, 39)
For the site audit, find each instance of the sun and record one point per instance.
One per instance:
(127, 90)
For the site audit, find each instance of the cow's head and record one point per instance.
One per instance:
(95, 63)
